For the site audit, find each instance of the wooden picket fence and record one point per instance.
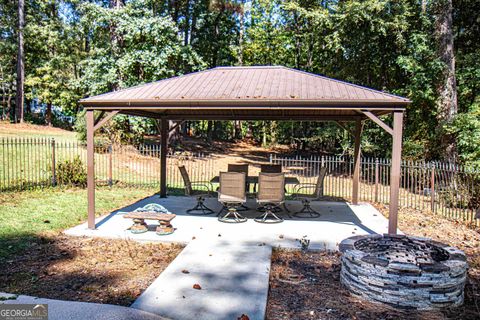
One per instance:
(450, 190)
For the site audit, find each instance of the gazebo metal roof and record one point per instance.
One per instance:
(248, 93)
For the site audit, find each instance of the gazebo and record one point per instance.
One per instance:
(251, 93)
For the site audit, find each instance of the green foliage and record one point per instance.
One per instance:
(77, 48)
(138, 47)
(71, 173)
(466, 128)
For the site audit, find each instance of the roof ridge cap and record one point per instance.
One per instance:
(249, 67)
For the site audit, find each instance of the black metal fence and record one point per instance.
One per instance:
(30, 163)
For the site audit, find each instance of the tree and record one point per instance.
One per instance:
(8, 53)
(19, 99)
(447, 97)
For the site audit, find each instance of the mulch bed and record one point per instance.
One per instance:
(307, 286)
(85, 269)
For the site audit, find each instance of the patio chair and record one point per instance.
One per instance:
(190, 190)
(271, 194)
(271, 168)
(306, 198)
(240, 168)
(232, 195)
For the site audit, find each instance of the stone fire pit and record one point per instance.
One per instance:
(405, 272)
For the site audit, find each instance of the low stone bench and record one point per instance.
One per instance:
(139, 226)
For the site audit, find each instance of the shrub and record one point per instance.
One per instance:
(71, 172)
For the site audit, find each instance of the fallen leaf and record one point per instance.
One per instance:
(197, 286)
(185, 271)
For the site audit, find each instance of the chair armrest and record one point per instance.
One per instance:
(297, 192)
(300, 186)
(206, 184)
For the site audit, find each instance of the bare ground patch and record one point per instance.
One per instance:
(85, 269)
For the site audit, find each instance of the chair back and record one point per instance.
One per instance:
(319, 185)
(271, 187)
(271, 168)
(232, 187)
(186, 180)
(238, 168)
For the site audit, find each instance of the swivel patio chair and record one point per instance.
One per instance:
(241, 168)
(306, 198)
(271, 168)
(271, 194)
(232, 195)
(191, 189)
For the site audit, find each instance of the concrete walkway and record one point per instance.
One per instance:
(72, 310)
(233, 277)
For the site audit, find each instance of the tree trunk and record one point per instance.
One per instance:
(187, 23)
(19, 99)
(4, 100)
(240, 36)
(237, 133)
(117, 3)
(249, 134)
(209, 130)
(4, 104)
(447, 103)
(9, 103)
(48, 114)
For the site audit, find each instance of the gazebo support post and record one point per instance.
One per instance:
(163, 158)
(395, 171)
(90, 169)
(357, 157)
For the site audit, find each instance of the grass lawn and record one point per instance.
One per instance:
(25, 216)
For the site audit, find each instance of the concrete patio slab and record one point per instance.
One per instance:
(233, 277)
(72, 310)
(339, 220)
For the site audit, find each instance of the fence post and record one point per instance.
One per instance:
(54, 173)
(376, 179)
(110, 165)
(432, 188)
(271, 158)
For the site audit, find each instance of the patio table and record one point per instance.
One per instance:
(254, 180)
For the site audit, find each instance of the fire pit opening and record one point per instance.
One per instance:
(406, 272)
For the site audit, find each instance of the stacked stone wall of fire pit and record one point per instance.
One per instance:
(405, 272)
